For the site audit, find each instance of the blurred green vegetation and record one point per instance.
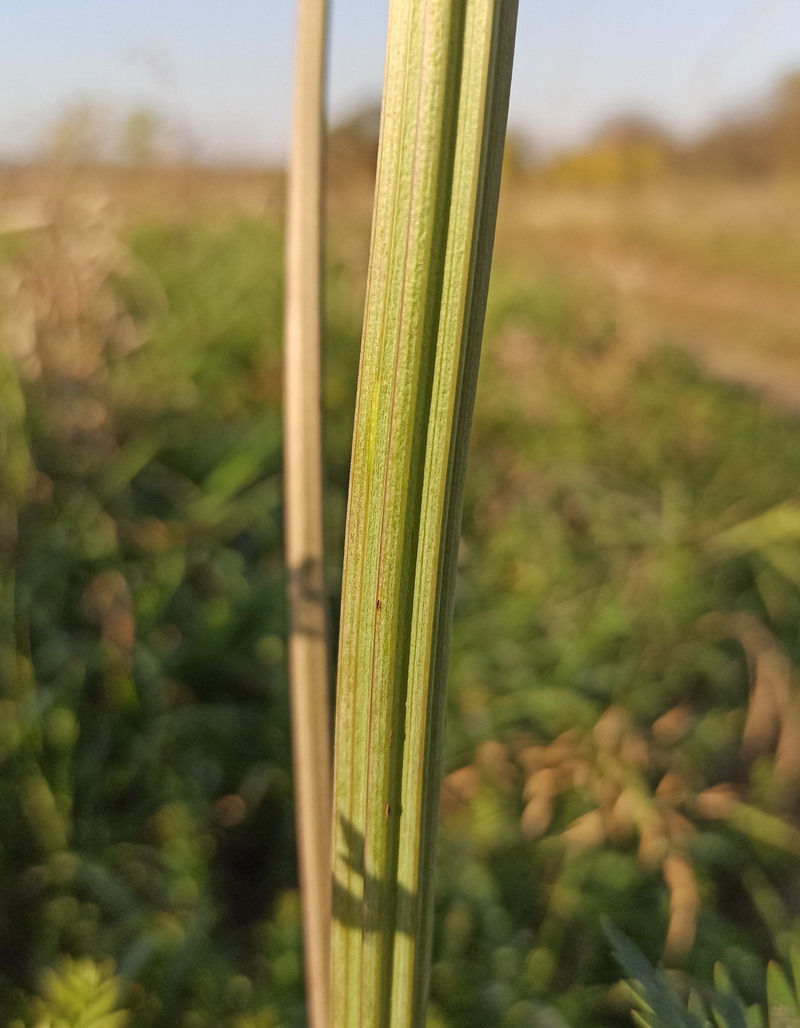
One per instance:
(657, 1004)
(631, 544)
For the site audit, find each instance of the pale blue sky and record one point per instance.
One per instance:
(222, 68)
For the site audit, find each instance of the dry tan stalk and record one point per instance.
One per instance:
(309, 661)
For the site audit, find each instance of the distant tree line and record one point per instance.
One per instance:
(759, 143)
(630, 149)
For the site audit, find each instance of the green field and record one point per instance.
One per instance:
(624, 725)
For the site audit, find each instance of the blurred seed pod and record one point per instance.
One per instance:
(678, 827)
(653, 843)
(562, 748)
(770, 693)
(624, 815)
(119, 629)
(531, 758)
(634, 750)
(108, 602)
(678, 872)
(671, 789)
(105, 591)
(682, 926)
(581, 773)
(770, 679)
(229, 811)
(541, 783)
(672, 726)
(605, 791)
(609, 731)
(684, 904)
(492, 757)
(787, 756)
(459, 788)
(718, 801)
(537, 816)
(586, 833)
(41, 488)
(151, 534)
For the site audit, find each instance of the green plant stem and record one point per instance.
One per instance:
(308, 637)
(443, 124)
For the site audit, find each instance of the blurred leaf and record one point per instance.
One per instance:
(764, 533)
(728, 1009)
(661, 1006)
(240, 468)
(784, 1009)
(80, 994)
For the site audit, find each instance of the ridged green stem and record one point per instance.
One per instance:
(443, 125)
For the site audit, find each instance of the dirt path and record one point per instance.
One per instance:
(739, 331)
(658, 254)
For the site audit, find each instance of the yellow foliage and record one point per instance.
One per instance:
(610, 164)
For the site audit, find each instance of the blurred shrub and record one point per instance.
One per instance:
(627, 538)
(759, 142)
(754, 144)
(627, 152)
(657, 1003)
(79, 994)
(145, 760)
(613, 503)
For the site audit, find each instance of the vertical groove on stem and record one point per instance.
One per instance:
(309, 661)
